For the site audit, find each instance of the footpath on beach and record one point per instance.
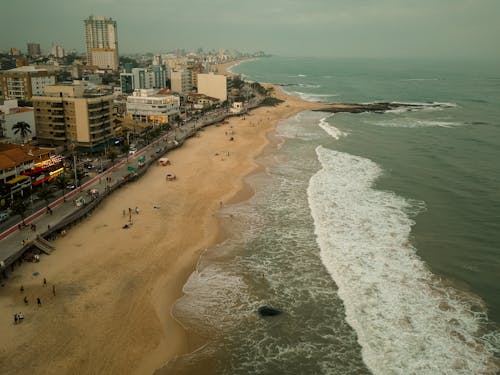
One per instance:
(51, 220)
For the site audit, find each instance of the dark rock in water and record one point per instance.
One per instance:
(268, 311)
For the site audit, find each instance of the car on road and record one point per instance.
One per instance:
(4, 215)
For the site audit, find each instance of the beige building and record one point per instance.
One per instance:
(101, 40)
(105, 58)
(24, 82)
(72, 116)
(214, 85)
(180, 81)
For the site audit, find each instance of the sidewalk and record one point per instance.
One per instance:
(14, 241)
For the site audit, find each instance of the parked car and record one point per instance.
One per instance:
(70, 186)
(4, 215)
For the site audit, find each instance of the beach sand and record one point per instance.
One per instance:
(115, 287)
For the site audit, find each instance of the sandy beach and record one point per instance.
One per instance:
(114, 287)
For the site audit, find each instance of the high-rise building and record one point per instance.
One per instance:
(101, 40)
(57, 51)
(34, 49)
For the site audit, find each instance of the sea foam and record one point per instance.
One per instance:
(331, 130)
(407, 322)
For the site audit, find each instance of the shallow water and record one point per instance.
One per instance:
(377, 234)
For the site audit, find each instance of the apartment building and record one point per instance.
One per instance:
(214, 85)
(74, 116)
(180, 81)
(24, 82)
(33, 49)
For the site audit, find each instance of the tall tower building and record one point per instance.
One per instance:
(101, 41)
(34, 49)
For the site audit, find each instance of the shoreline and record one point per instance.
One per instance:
(123, 315)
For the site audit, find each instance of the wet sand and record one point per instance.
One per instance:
(115, 287)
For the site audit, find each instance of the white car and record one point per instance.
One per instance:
(4, 215)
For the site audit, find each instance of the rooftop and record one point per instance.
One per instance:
(12, 154)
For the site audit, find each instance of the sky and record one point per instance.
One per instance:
(336, 28)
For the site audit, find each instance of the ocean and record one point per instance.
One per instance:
(376, 234)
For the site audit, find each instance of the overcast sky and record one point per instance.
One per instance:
(344, 28)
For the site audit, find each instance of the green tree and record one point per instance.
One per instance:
(61, 182)
(19, 208)
(237, 82)
(112, 155)
(45, 194)
(126, 149)
(22, 128)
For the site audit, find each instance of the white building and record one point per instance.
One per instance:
(152, 106)
(101, 40)
(11, 114)
(180, 81)
(214, 85)
(57, 51)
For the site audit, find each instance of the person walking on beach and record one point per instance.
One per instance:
(137, 210)
(124, 213)
(21, 289)
(25, 300)
(44, 282)
(15, 318)
(54, 290)
(39, 301)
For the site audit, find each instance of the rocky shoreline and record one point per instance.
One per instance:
(380, 107)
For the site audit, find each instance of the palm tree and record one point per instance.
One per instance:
(22, 128)
(19, 208)
(61, 182)
(45, 194)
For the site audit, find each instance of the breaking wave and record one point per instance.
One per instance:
(407, 321)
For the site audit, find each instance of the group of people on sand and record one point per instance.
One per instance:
(19, 317)
(130, 221)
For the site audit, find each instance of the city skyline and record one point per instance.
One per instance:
(387, 28)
